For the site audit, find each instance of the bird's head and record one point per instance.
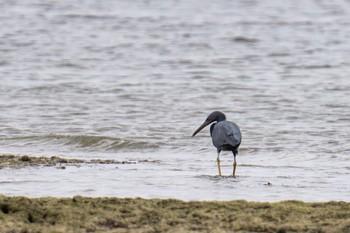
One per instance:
(214, 116)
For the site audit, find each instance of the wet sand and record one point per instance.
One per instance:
(83, 214)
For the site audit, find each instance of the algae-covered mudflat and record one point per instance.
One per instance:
(21, 161)
(84, 214)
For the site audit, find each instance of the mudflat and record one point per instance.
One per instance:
(21, 161)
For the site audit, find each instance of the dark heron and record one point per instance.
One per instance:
(226, 135)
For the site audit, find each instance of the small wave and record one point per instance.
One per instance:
(216, 177)
(4, 63)
(70, 65)
(281, 54)
(89, 16)
(311, 67)
(242, 39)
(86, 142)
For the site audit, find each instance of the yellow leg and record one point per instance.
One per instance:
(234, 165)
(234, 169)
(219, 167)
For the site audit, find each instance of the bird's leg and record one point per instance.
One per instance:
(234, 164)
(218, 160)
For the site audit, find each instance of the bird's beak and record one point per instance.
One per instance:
(201, 127)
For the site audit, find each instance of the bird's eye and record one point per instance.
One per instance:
(208, 119)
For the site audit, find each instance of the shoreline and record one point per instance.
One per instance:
(21, 161)
(102, 214)
(113, 214)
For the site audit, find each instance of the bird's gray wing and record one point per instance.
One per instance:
(233, 133)
(226, 132)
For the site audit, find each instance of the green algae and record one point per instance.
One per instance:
(83, 214)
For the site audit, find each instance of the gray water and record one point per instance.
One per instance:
(132, 80)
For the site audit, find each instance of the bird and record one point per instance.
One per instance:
(226, 136)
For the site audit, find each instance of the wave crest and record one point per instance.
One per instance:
(86, 142)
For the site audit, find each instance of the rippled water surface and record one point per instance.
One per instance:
(132, 80)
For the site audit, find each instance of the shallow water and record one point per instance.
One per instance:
(133, 80)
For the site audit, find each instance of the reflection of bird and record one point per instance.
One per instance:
(226, 135)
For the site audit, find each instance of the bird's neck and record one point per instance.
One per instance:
(221, 118)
